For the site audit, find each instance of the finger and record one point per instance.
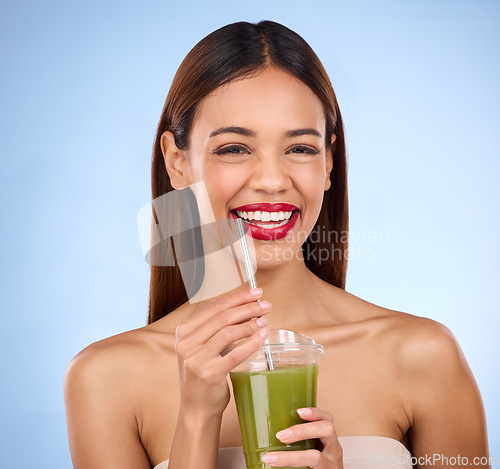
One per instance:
(210, 367)
(220, 327)
(229, 317)
(313, 413)
(230, 300)
(310, 457)
(322, 429)
(243, 351)
(226, 336)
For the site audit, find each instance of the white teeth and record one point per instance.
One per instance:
(282, 217)
(270, 226)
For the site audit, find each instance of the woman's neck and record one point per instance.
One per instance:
(299, 298)
(295, 293)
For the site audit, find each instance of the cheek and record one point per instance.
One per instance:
(311, 180)
(314, 199)
(222, 187)
(311, 184)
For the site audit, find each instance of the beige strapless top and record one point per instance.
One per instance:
(374, 452)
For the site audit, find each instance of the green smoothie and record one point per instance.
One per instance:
(267, 402)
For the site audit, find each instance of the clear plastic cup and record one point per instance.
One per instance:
(267, 400)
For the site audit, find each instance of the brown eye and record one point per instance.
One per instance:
(231, 150)
(300, 149)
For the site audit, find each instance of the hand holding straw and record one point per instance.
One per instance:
(251, 279)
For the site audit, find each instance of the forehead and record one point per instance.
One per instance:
(272, 100)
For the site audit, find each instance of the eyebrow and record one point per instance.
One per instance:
(251, 133)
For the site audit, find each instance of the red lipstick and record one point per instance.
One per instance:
(267, 207)
(263, 232)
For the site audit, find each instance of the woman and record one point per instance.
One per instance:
(252, 115)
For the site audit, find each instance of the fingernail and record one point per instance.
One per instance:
(304, 412)
(261, 322)
(265, 305)
(284, 434)
(263, 333)
(268, 458)
(256, 292)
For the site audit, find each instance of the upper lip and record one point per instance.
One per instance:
(267, 207)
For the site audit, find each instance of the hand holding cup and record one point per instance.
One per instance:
(319, 425)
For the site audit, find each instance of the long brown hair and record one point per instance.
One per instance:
(234, 51)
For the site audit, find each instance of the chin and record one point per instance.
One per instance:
(273, 255)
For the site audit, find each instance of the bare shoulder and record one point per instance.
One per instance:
(131, 360)
(428, 344)
(122, 351)
(411, 330)
(106, 389)
(422, 346)
(427, 360)
(121, 365)
(418, 343)
(441, 398)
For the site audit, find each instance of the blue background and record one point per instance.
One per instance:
(82, 88)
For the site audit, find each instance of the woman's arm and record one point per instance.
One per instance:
(196, 440)
(102, 429)
(448, 420)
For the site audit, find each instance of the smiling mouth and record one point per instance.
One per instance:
(265, 219)
(268, 221)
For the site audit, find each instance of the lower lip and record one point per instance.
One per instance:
(270, 234)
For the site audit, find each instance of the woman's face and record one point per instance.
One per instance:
(259, 146)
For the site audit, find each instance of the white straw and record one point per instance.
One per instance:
(251, 280)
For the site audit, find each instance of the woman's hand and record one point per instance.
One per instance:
(319, 425)
(201, 339)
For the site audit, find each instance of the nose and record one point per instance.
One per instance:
(270, 175)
